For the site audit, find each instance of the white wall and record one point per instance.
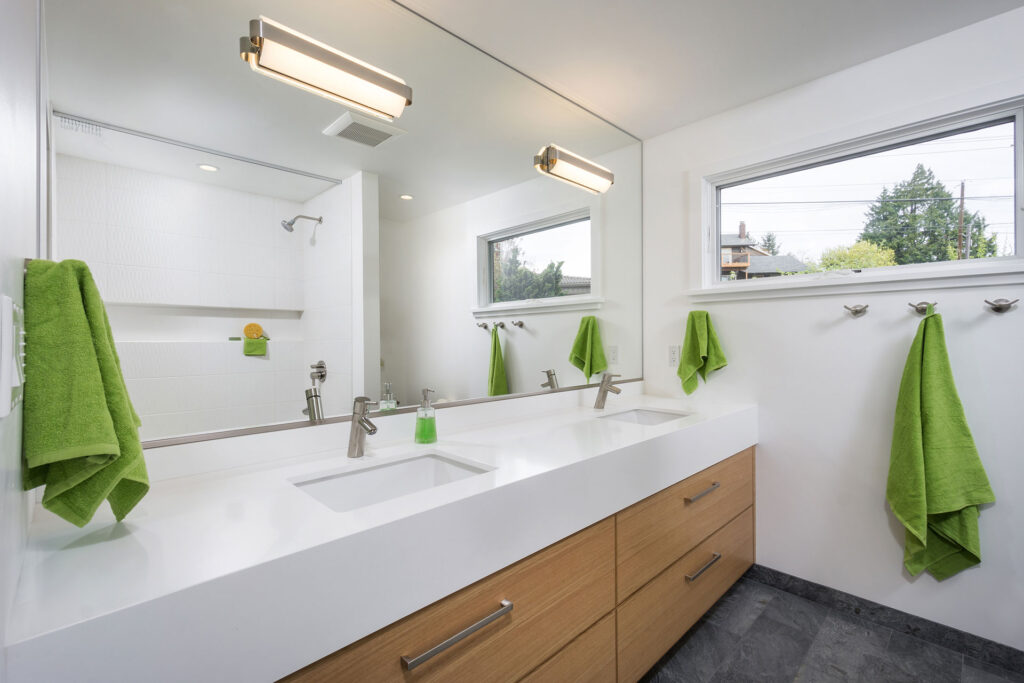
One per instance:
(19, 116)
(826, 383)
(429, 335)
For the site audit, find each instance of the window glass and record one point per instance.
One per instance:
(943, 199)
(550, 262)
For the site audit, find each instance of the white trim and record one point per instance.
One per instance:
(916, 275)
(576, 302)
(975, 273)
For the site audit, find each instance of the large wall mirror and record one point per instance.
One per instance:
(178, 171)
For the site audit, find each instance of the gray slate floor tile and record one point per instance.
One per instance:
(740, 607)
(980, 672)
(841, 649)
(770, 650)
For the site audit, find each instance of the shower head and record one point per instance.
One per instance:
(290, 225)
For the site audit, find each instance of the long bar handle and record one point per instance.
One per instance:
(411, 663)
(690, 578)
(694, 499)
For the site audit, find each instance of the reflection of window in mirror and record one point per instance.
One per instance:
(541, 262)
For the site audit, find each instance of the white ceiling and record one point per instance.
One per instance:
(655, 65)
(172, 69)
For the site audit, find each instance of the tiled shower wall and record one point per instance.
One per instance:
(153, 239)
(182, 266)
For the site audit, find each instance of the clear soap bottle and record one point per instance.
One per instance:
(387, 399)
(426, 425)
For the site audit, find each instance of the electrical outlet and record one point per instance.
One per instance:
(673, 356)
(612, 355)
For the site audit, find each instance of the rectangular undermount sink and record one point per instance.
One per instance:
(643, 416)
(348, 490)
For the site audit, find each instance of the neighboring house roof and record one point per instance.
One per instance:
(784, 263)
(574, 284)
(734, 240)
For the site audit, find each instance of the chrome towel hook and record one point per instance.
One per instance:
(518, 323)
(922, 306)
(1001, 305)
(857, 310)
(483, 326)
(500, 325)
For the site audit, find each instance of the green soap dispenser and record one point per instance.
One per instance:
(426, 425)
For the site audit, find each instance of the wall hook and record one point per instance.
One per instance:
(1001, 305)
(519, 323)
(922, 306)
(857, 310)
(483, 326)
(500, 325)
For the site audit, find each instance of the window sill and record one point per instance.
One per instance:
(578, 302)
(994, 272)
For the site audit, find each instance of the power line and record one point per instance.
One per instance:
(867, 201)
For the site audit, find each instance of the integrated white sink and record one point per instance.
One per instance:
(644, 416)
(348, 490)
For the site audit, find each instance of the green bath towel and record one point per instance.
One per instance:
(254, 347)
(497, 380)
(701, 352)
(936, 479)
(587, 351)
(81, 436)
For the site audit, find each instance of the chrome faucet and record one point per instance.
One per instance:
(361, 426)
(552, 382)
(602, 391)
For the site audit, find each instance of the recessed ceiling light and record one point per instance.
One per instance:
(207, 167)
(406, 197)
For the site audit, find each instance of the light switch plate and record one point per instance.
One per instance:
(612, 355)
(673, 356)
(12, 354)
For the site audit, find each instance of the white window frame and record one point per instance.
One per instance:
(573, 302)
(1000, 270)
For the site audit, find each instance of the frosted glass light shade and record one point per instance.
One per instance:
(281, 53)
(573, 169)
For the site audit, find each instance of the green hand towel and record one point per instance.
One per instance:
(80, 434)
(497, 380)
(587, 351)
(701, 351)
(254, 347)
(936, 479)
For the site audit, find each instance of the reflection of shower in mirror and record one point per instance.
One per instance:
(290, 225)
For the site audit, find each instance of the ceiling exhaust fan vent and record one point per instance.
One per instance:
(362, 129)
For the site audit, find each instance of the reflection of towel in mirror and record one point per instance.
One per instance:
(701, 351)
(587, 350)
(497, 380)
(936, 479)
(81, 436)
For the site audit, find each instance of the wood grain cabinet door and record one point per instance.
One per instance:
(556, 594)
(660, 529)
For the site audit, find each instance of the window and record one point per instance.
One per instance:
(935, 195)
(541, 262)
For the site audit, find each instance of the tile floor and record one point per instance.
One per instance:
(759, 633)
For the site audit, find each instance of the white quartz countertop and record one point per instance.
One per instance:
(240, 575)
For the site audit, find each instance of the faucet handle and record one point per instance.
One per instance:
(364, 400)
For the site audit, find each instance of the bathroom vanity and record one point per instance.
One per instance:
(608, 533)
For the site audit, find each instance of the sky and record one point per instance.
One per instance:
(824, 207)
(569, 243)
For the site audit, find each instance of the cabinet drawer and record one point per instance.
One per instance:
(660, 529)
(588, 659)
(658, 614)
(555, 594)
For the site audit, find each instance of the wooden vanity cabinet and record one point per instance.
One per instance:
(600, 606)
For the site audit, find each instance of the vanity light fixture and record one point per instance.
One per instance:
(279, 52)
(573, 169)
(406, 197)
(208, 167)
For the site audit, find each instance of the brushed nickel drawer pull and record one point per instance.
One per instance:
(694, 499)
(411, 663)
(690, 578)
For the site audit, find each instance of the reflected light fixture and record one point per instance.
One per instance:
(207, 167)
(289, 56)
(406, 197)
(573, 169)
